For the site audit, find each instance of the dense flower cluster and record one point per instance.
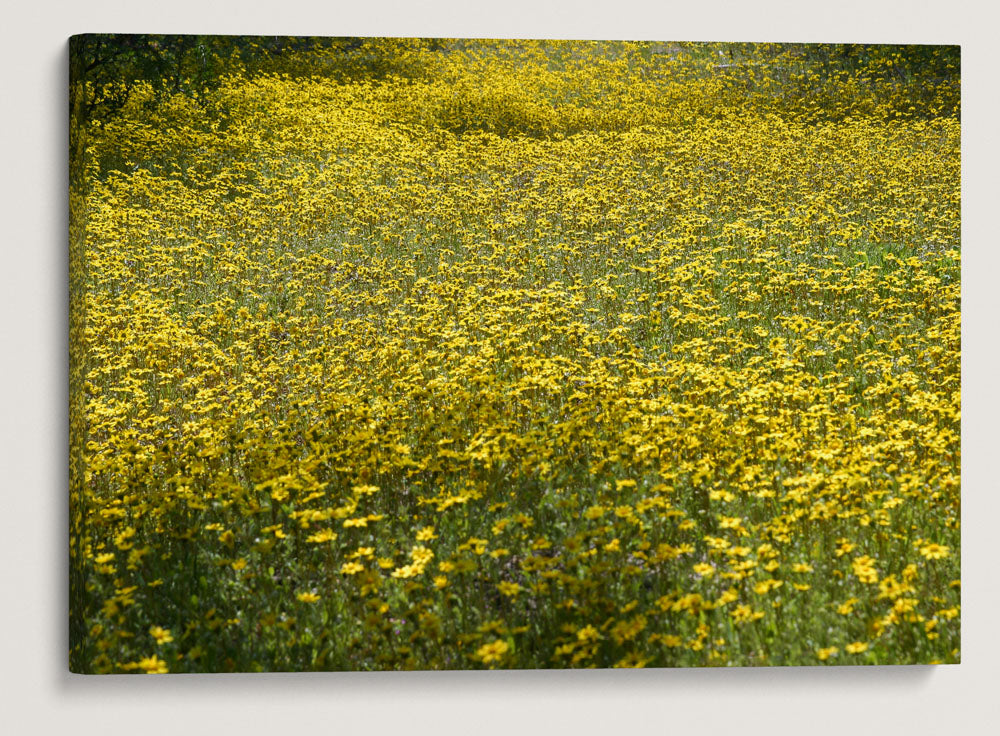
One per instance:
(523, 355)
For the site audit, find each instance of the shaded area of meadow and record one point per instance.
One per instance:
(521, 354)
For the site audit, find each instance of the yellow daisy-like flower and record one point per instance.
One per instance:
(326, 535)
(492, 652)
(844, 547)
(407, 571)
(161, 635)
(153, 666)
(765, 586)
(864, 568)
(856, 647)
(308, 597)
(847, 607)
(934, 551)
(425, 534)
(509, 589)
(743, 613)
(704, 569)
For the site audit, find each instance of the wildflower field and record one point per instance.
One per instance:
(473, 354)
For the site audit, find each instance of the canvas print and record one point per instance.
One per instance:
(467, 354)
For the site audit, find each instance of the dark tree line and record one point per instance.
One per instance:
(112, 64)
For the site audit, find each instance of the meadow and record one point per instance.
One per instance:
(520, 355)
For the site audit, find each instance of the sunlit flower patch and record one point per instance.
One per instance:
(522, 354)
